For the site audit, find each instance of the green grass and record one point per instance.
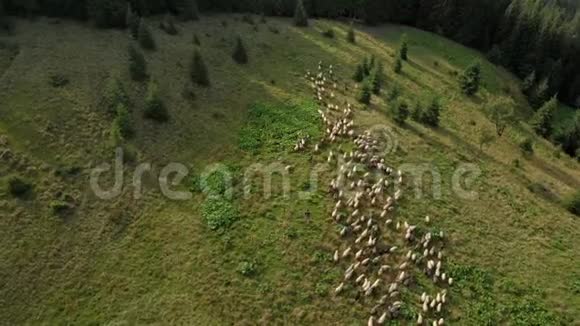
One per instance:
(152, 261)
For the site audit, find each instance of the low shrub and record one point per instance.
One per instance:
(248, 268)
(573, 204)
(18, 187)
(328, 33)
(218, 213)
(58, 80)
(527, 146)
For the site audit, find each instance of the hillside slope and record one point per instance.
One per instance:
(514, 252)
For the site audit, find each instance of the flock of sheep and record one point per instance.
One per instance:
(379, 254)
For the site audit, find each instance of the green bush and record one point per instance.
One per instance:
(573, 204)
(218, 213)
(248, 268)
(154, 107)
(198, 70)
(137, 64)
(18, 187)
(527, 146)
(470, 80)
(240, 55)
(58, 80)
(60, 207)
(329, 33)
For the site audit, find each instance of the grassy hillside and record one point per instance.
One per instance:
(514, 251)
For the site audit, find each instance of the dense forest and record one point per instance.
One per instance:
(536, 39)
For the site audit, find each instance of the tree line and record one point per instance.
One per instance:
(538, 40)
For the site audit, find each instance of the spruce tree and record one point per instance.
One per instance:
(300, 16)
(398, 67)
(114, 94)
(365, 93)
(528, 83)
(133, 21)
(401, 111)
(376, 81)
(542, 120)
(198, 70)
(145, 37)
(137, 64)
(359, 74)
(350, 35)
(431, 115)
(540, 94)
(404, 48)
(154, 107)
(471, 78)
(240, 56)
(122, 121)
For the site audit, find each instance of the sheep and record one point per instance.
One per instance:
(382, 318)
(427, 219)
(339, 288)
(336, 255)
(346, 252)
(450, 281)
(425, 307)
(439, 307)
(441, 321)
(360, 278)
(419, 319)
(371, 321)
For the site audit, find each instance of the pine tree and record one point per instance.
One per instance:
(350, 35)
(168, 25)
(198, 70)
(300, 16)
(470, 79)
(133, 21)
(122, 122)
(365, 93)
(137, 64)
(240, 56)
(359, 74)
(154, 107)
(542, 120)
(398, 67)
(145, 37)
(404, 48)
(189, 10)
(501, 113)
